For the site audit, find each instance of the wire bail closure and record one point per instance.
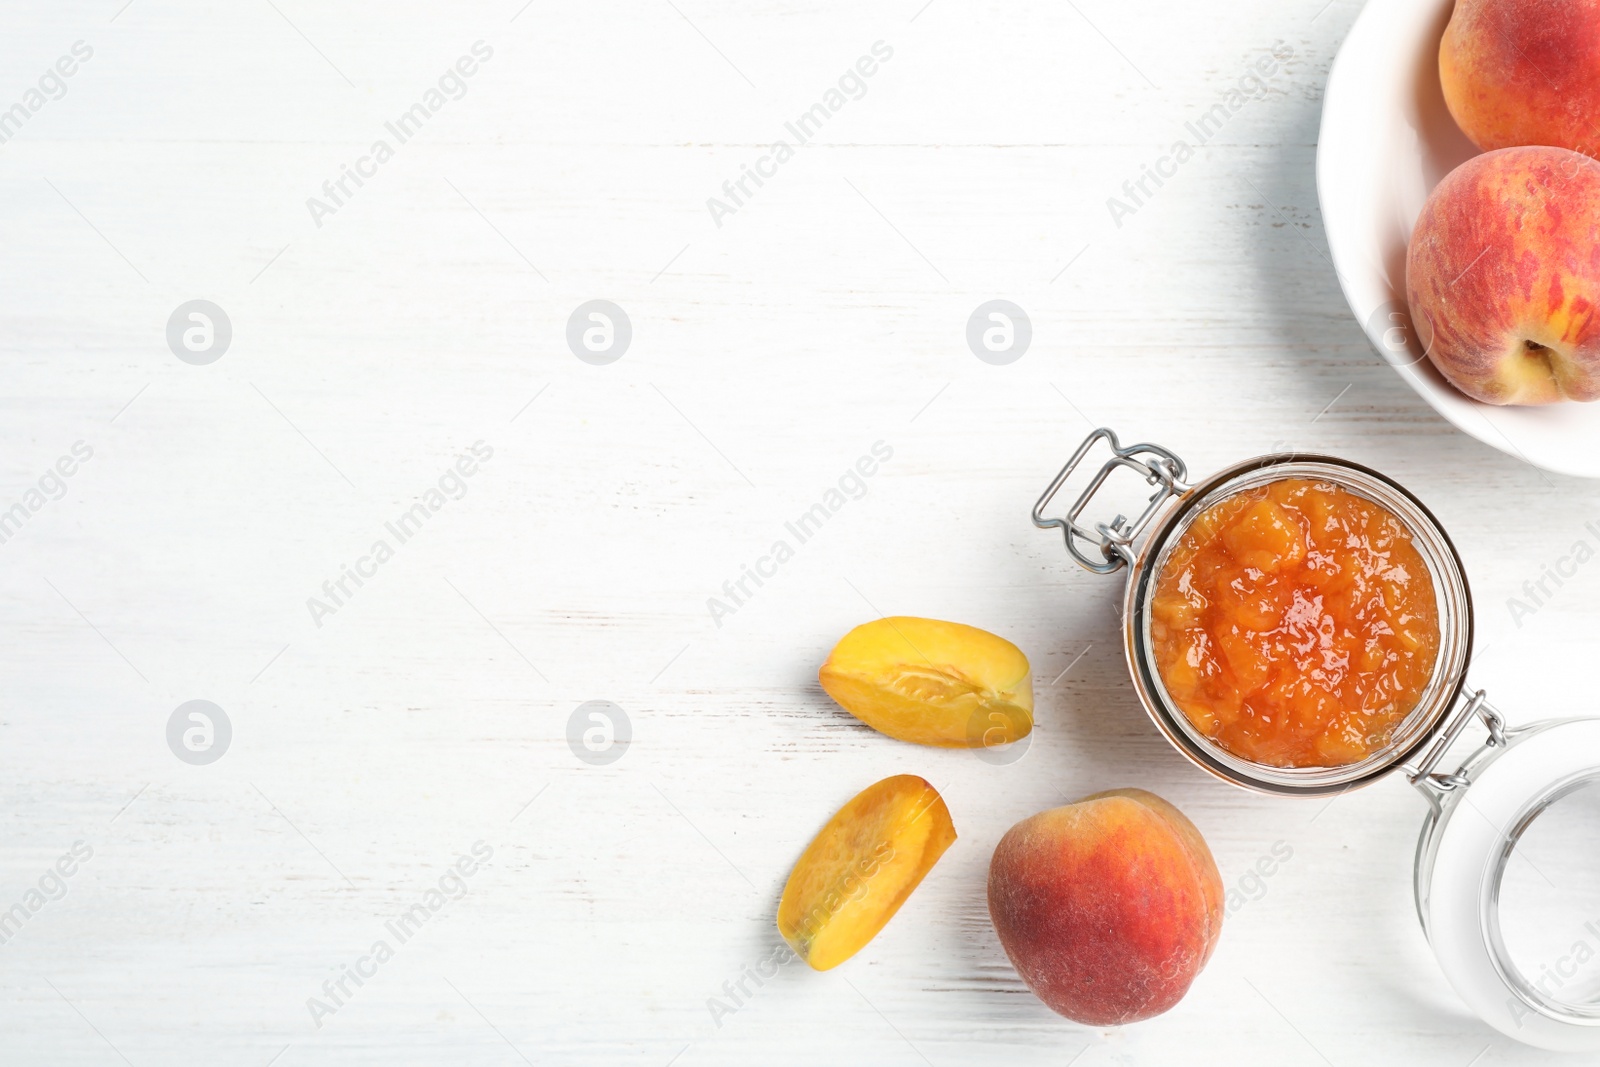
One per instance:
(1108, 547)
(1475, 708)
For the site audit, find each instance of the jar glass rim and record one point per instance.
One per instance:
(1450, 589)
(1561, 1009)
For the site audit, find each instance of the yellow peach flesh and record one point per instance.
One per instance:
(861, 867)
(932, 682)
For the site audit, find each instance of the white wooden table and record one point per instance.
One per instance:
(375, 744)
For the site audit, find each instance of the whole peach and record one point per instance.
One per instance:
(1524, 72)
(1503, 272)
(1109, 907)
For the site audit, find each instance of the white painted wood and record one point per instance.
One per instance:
(430, 711)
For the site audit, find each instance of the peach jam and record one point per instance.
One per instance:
(1295, 624)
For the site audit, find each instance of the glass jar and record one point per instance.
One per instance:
(1524, 955)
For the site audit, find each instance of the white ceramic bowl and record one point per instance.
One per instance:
(1386, 140)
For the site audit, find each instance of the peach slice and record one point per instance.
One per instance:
(857, 872)
(932, 682)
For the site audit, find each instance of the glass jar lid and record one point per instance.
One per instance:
(1508, 883)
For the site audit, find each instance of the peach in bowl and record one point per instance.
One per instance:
(1388, 140)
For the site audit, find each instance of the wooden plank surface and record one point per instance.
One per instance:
(371, 347)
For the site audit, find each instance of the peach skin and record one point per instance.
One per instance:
(861, 867)
(1502, 275)
(1524, 72)
(1108, 908)
(932, 682)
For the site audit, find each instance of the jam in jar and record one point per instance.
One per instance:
(1295, 624)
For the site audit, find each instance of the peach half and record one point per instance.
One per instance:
(861, 867)
(1108, 908)
(932, 682)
